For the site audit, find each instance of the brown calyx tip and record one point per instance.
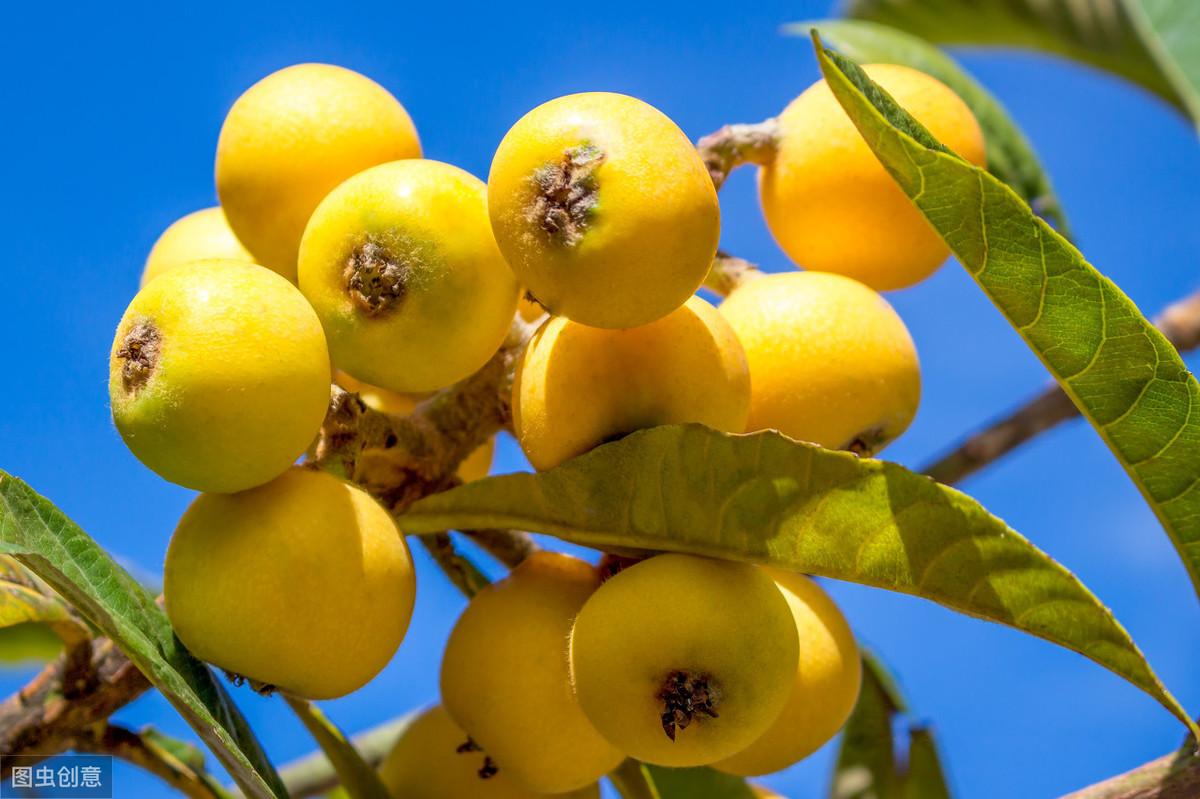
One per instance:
(567, 193)
(376, 279)
(866, 443)
(685, 696)
(489, 768)
(139, 349)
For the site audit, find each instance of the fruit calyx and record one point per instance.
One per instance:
(685, 696)
(375, 278)
(567, 192)
(489, 768)
(139, 349)
(867, 443)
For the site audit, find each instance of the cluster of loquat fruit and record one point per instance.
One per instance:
(338, 253)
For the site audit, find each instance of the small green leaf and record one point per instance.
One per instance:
(634, 780)
(1009, 154)
(28, 643)
(866, 761)
(1118, 369)
(924, 777)
(764, 498)
(23, 599)
(37, 533)
(1109, 34)
(357, 777)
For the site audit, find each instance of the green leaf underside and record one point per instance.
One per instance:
(1171, 30)
(763, 498)
(866, 760)
(43, 539)
(357, 777)
(1113, 35)
(1009, 154)
(1118, 369)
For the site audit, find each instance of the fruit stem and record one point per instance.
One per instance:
(735, 145)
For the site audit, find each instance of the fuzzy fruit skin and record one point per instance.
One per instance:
(825, 686)
(459, 296)
(650, 238)
(424, 765)
(290, 139)
(679, 612)
(200, 236)
(577, 386)
(253, 579)
(505, 676)
(241, 382)
(475, 466)
(830, 360)
(832, 206)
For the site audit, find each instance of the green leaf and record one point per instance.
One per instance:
(28, 643)
(183, 758)
(924, 778)
(1118, 369)
(634, 780)
(1009, 154)
(24, 599)
(357, 777)
(52, 546)
(1149, 42)
(866, 761)
(1171, 30)
(764, 498)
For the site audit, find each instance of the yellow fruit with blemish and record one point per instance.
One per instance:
(290, 139)
(578, 386)
(824, 689)
(832, 206)
(505, 676)
(475, 466)
(200, 236)
(219, 375)
(304, 584)
(684, 661)
(603, 209)
(401, 266)
(830, 360)
(433, 760)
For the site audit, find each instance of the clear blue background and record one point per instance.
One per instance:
(110, 121)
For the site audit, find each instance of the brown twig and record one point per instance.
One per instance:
(735, 145)
(401, 459)
(133, 748)
(1180, 323)
(1174, 776)
(47, 716)
(510, 547)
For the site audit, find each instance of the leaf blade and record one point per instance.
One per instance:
(357, 777)
(763, 498)
(42, 538)
(1121, 372)
(1101, 33)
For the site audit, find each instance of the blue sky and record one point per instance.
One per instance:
(111, 121)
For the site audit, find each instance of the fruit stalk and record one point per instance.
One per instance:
(1179, 322)
(735, 145)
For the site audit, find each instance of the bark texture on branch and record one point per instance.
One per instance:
(1180, 323)
(735, 145)
(1174, 776)
(49, 715)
